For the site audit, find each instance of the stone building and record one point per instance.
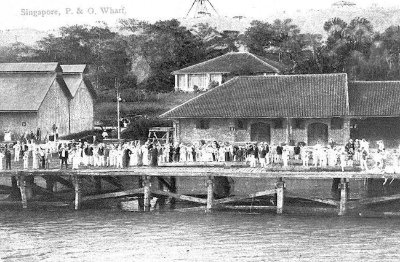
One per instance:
(83, 95)
(291, 109)
(375, 111)
(220, 69)
(272, 109)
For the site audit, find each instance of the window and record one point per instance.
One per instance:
(198, 80)
(298, 123)
(336, 123)
(241, 124)
(203, 124)
(278, 123)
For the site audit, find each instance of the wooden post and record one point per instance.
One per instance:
(172, 201)
(22, 188)
(343, 197)
(78, 193)
(49, 183)
(161, 200)
(335, 188)
(210, 193)
(15, 192)
(29, 182)
(146, 193)
(288, 133)
(279, 196)
(187, 82)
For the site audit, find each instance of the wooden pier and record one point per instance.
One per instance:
(166, 177)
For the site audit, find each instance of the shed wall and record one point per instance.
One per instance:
(81, 110)
(17, 123)
(54, 110)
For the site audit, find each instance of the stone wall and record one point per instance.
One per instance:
(224, 130)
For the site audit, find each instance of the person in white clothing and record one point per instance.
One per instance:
(17, 151)
(2, 155)
(285, 155)
(119, 157)
(26, 159)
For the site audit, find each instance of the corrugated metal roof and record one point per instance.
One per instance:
(374, 98)
(24, 92)
(74, 68)
(300, 96)
(30, 67)
(73, 82)
(234, 62)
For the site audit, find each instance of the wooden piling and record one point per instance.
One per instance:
(161, 200)
(78, 193)
(210, 193)
(49, 183)
(343, 196)
(22, 188)
(280, 196)
(15, 192)
(146, 193)
(172, 183)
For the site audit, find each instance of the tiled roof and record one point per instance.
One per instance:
(30, 67)
(274, 96)
(374, 98)
(235, 62)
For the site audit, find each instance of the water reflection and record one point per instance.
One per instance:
(110, 235)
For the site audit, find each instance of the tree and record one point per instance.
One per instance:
(284, 41)
(348, 45)
(112, 63)
(390, 40)
(16, 52)
(105, 51)
(217, 43)
(166, 46)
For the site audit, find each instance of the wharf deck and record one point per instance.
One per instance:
(217, 171)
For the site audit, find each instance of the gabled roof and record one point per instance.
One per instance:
(234, 62)
(77, 69)
(26, 91)
(273, 96)
(374, 98)
(73, 81)
(74, 76)
(30, 67)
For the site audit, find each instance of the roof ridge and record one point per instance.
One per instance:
(273, 67)
(194, 98)
(375, 81)
(281, 76)
(198, 64)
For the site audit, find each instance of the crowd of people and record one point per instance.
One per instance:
(35, 155)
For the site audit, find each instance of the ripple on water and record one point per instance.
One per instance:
(102, 235)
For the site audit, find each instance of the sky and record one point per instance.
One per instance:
(51, 14)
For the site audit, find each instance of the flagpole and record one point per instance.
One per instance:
(118, 109)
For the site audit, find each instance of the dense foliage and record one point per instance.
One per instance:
(142, 55)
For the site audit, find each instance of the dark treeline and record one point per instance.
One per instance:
(142, 55)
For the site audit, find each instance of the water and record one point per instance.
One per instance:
(112, 235)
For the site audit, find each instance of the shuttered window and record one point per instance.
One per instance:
(203, 124)
(336, 123)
